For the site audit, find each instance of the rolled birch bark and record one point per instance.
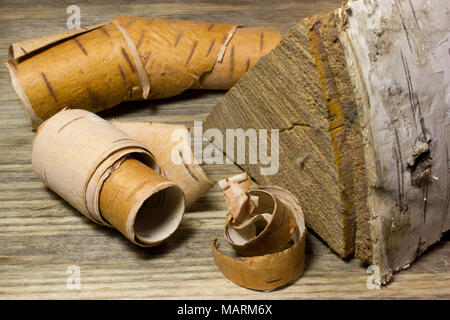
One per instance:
(171, 148)
(269, 235)
(108, 176)
(135, 188)
(131, 58)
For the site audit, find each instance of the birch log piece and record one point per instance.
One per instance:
(361, 98)
(108, 176)
(131, 58)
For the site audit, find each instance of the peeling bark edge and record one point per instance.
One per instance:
(34, 120)
(145, 84)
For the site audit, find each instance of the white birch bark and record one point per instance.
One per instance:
(398, 53)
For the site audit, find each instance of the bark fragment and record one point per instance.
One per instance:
(273, 254)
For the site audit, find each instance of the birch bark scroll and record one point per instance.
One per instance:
(109, 177)
(361, 98)
(131, 58)
(266, 227)
(170, 145)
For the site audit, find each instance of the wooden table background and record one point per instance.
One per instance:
(41, 235)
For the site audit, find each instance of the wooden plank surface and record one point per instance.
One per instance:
(41, 235)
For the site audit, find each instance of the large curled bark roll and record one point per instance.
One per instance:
(108, 176)
(131, 58)
(266, 227)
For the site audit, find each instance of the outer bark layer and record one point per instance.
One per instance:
(92, 71)
(170, 145)
(397, 53)
(131, 58)
(272, 257)
(107, 176)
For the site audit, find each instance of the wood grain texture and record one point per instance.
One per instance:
(41, 235)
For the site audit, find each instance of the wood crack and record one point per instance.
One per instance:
(295, 124)
(400, 175)
(403, 25)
